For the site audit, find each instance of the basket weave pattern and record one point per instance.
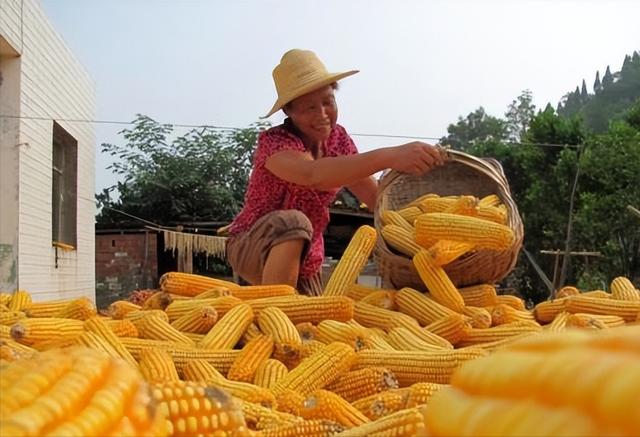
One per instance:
(461, 174)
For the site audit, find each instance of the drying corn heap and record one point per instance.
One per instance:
(204, 356)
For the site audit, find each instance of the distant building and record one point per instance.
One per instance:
(47, 207)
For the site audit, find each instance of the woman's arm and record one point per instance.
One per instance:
(333, 172)
(366, 190)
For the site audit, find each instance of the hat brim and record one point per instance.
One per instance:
(329, 79)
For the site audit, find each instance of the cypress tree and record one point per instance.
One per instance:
(607, 79)
(597, 86)
(583, 93)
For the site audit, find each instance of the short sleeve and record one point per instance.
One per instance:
(272, 141)
(343, 144)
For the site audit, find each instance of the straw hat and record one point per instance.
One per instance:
(298, 73)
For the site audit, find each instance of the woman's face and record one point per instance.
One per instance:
(314, 114)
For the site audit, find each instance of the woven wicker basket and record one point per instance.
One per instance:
(461, 174)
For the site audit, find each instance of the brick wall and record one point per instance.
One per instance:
(122, 266)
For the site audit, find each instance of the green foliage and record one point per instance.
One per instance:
(477, 127)
(519, 115)
(198, 176)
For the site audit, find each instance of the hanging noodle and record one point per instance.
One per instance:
(185, 243)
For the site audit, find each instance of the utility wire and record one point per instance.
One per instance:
(230, 128)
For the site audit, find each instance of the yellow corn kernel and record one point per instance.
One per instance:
(440, 286)
(410, 213)
(31, 331)
(420, 306)
(475, 336)
(259, 291)
(622, 288)
(252, 355)
(383, 404)
(197, 321)
(308, 309)
(79, 309)
(222, 306)
(627, 309)
(187, 284)
(155, 328)
(511, 300)
(352, 261)
(122, 327)
(19, 300)
(318, 370)
(566, 291)
(157, 301)
(405, 340)
(546, 311)
(357, 384)
(403, 423)
(390, 217)
(323, 404)
(119, 308)
(490, 200)
(228, 330)
(478, 317)
(197, 408)
(213, 293)
(10, 317)
(502, 314)
(382, 298)
(308, 331)
(99, 327)
(400, 239)
(269, 372)
(287, 342)
(483, 234)
(156, 365)
(444, 252)
(453, 328)
(481, 295)
(332, 330)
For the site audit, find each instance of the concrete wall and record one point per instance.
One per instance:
(53, 86)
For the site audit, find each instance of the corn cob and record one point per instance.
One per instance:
(249, 334)
(483, 234)
(453, 328)
(478, 317)
(403, 423)
(420, 307)
(601, 294)
(187, 284)
(405, 340)
(31, 331)
(421, 392)
(436, 203)
(359, 291)
(45, 309)
(213, 293)
(330, 331)
(357, 384)
(77, 391)
(135, 316)
(259, 291)
(323, 404)
(269, 372)
(308, 331)
(559, 323)
(383, 404)
(352, 261)
(5, 298)
(122, 328)
(198, 321)
(566, 291)
(196, 408)
(490, 200)
(444, 252)
(19, 300)
(382, 298)
(410, 367)
(584, 321)
(410, 213)
(11, 350)
(222, 306)
(183, 354)
(307, 428)
(155, 328)
(607, 319)
(626, 309)
(156, 365)
(119, 308)
(259, 417)
(287, 342)
(546, 311)
(10, 317)
(79, 309)
(511, 300)
(440, 286)
(401, 239)
(475, 336)
(157, 301)
(290, 401)
(252, 355)
(94, 341)
(390, 217)
(99, 327)
(623, 289)
(201, 370)
(318, 370)
(542, 400)
(502, 314)
(226, 333)
(308, 309)
(481, 295)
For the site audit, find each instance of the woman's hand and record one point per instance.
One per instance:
(415, 158)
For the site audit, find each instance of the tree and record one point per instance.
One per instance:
(199, 176)
(478, 126)
(584, 94)
(519, 115)
(597, 86)
(607, 79)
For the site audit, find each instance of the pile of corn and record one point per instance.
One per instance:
(209, 357)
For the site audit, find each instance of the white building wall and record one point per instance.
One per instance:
(53, 86)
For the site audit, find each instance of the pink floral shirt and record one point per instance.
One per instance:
(266, 192)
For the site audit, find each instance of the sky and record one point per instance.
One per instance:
(422, 64)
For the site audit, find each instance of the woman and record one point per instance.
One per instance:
(298, 168)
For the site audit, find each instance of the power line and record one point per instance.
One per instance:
(231, 128)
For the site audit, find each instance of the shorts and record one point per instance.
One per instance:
(248, 251)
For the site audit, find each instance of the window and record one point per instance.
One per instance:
(65, 184)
